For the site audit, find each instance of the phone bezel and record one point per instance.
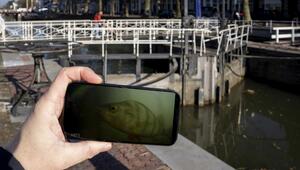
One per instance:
(175, 117)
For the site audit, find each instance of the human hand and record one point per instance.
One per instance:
(41, 143)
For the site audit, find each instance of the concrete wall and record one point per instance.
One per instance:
(174, 83)
(285, 72)
(199, 89)
(233, 78)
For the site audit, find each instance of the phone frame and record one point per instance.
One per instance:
(175, 117)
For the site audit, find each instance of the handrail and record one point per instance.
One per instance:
(234, 34)
(129, 31)
(28, 29)
(292, 35)
(198, 23)
(141, 36)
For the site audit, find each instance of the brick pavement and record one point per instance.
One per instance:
(124, 156)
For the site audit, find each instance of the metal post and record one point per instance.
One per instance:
(70, 45)
(105, 65)
(293, 36)
(277, 35)
(194, 42)
(271, 26)
(186, 13)
(103, 46)
(70, 50)
(221, 63)
(134, 42)
(150, 41)
(172, 77)
(138, 60)
(186, 51)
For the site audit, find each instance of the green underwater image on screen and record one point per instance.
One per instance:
(119, 114)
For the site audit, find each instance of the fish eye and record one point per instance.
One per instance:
(113, 108)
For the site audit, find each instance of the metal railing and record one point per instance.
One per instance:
(138, 36)
(135, 32)
(267, 24)
(43, 30)
(274, 23)
(236, 36)
(286, 33)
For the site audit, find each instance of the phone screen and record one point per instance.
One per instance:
(120, 114)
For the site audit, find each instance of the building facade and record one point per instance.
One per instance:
(275, 9)
(260, 9)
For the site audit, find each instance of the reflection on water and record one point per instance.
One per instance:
(255, 127)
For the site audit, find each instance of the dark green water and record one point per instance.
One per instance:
(256, 127)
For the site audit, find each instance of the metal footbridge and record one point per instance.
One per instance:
(200, 33)
(135, 32)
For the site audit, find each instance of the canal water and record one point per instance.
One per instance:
(255, 127)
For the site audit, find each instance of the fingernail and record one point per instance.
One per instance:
(100, 77)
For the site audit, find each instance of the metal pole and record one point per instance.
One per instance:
(186, 8)
(105, 65)
(186, 13)
(186, 51)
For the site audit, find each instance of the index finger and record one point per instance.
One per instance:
(58, 88)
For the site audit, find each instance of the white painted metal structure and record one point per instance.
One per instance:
(59, 29)
(286, 33)
(135, 32)
(236, 37)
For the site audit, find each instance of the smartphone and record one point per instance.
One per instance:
(118, 113)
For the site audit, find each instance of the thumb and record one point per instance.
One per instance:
(74, 153)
